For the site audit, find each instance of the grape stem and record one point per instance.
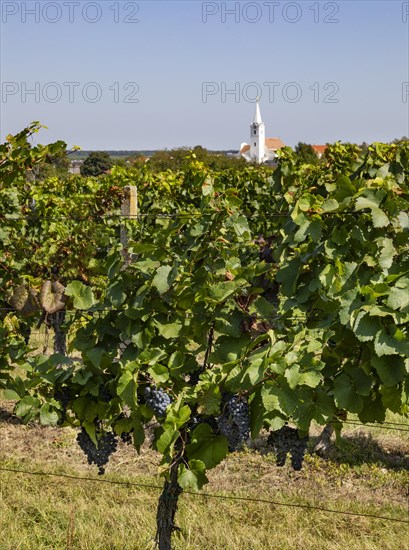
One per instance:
(209, 346)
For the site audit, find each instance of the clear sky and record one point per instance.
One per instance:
(155, 74)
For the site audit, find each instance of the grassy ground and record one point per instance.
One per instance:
(369, 474)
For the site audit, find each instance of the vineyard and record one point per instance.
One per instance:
(224, 306)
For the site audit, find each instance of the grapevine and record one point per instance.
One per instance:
(248, 297)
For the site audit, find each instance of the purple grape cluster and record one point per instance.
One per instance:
(107, 445)
(234, 422)
(63, 396)
(104, 394)
(157, 399)
(286, 440)
(126, 437)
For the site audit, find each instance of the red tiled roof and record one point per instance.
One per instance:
(274, 143)
(319, 148)
(270, 143)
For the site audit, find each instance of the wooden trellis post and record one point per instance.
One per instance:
(129, 210)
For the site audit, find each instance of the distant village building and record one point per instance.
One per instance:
(75, 166)
(260, 149)
(319, 150)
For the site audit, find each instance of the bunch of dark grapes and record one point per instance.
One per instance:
(195, 376)
(234, 422)
(157, 399)
(62, 395)
(286, 440)
(105, 394)
(298, 452)
(107, 444)
(126, 437)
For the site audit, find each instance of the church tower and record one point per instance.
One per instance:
(257, 137)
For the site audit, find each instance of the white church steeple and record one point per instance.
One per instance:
(257, 115)
(257, 136)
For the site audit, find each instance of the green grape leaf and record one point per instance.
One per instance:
(167, 439)
(159, 373)
(390, 368)
(399, 295)
(177, 417)
(387, 345)
(192, 477)
(373, 410)
(387, 254)
(161, 280)
(82, 295)
(366, 327)
(207, 447)
(170, 330)
(345, 394)
(47, 415)
(27, 407)
(209, 401)
(126, 388)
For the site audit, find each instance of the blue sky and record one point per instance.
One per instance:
(155, 74)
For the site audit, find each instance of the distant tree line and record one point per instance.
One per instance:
(99, 162)
(179, 159)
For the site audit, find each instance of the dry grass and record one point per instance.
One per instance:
(60, 513)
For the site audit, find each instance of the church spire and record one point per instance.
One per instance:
(257, 136)
(257, 115)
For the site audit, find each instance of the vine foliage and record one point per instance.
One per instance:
(287, 290)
